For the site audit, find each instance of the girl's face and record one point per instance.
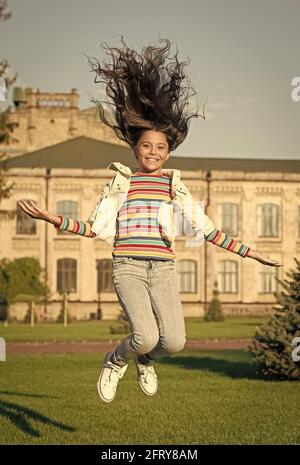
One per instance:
(152, 151)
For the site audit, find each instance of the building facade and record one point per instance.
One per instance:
(256, 202)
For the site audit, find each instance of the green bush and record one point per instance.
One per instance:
(272, 344)
(215, 312)
(21, 279)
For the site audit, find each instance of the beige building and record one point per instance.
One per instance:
(59, 156)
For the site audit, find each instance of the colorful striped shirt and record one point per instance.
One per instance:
(139, 234)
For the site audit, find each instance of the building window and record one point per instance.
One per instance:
(228, 276)
(66, 275)
(104, 276)
(187, 275)
(25, 224)
(229, 213)
(268, 217)
(68, 208)
(267, 281)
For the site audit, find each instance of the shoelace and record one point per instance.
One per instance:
(148, 371)
(114, 376)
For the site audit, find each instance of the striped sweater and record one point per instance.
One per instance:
(139, 234)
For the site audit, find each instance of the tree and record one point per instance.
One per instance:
(215, 312)
(64, 316)
(4, 64)
(4, 15)
(272, 345)
(5, 190)
(32, 300)
(21, 276)
(5, 126)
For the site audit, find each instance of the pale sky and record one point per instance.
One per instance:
(244, 55)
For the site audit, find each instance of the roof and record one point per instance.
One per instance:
(88, 153)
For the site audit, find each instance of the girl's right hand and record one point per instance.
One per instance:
(31, 209)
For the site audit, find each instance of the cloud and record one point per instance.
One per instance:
(247, 101)
(211, 108)
(222, 103)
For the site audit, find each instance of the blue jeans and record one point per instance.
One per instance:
(148, 294)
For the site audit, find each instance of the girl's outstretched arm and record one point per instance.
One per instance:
(59, 222)
(221, 239)
(214, 235)
(83, 228)
(264, 259)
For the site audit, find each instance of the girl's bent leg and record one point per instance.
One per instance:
(131, 286)
(166, 304)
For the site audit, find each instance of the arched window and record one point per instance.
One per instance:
(66, 275)
(267, 282)
(67, 208)
(228, 276)
(187, 275)
(229, 214)
(104, 276)
(268, 218)
(25, 224)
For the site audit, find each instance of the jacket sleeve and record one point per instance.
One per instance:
(203, 226)
(84, 228)
(221, 239)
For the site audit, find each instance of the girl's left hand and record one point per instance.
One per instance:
(264, 259)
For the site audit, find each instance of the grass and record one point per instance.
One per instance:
(211, 397)
(231, 328)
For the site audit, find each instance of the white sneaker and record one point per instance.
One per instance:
(147, 378)
(109, 377)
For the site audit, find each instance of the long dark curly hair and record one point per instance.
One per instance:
(145, 93)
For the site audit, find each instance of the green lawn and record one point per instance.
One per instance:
(211, 397)
(231, 328)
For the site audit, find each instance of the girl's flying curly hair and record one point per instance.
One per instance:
(145, 92)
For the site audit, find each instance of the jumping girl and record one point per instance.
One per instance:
(150, 115)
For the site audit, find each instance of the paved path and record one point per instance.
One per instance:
(104, 346)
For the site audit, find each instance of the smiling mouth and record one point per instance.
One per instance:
(152, 159)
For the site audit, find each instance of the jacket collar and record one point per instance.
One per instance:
(117, 166)
(126, 171)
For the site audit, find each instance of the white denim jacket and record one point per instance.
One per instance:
(170, 214)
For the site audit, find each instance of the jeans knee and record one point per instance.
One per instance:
(173, 345)
(144, 344)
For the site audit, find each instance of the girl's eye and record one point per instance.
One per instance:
(146, 145)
